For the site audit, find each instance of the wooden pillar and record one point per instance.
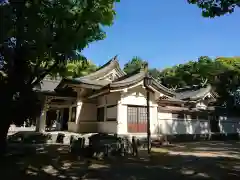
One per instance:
(78, 111)
(58, 120)
(105, 108)
(148, 123)
(41, 120)
(70, 114)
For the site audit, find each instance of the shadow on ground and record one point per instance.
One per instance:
(55, 162)
(225, 148)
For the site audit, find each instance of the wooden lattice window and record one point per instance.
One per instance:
(191, 116)
(214, 124)
(203, 116)
(137, 119)
(177, 116)
(100, 114)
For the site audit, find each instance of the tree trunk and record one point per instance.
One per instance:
(4, 126)
(6, 119)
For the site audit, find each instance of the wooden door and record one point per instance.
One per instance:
(137, 119)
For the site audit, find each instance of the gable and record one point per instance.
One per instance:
(137, 96)
(110, 68)
(111, 76)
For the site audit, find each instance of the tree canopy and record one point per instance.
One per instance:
(79, 68)
(223, 73)
(38, 38)
(213, 8)
(136, 63)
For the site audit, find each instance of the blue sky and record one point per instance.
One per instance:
(165, 33)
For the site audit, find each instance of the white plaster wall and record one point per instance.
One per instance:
(104, 101)
(101, 101)
(83, 127)
(86, 116)
(122, 118)
(107, 127)
(88, 127)
(112, 98)
(86, 112)
(229, 124)
(168, 125)
(153, 119)
(109, 99)
(136, 96)
(112, 112)
(72, 127)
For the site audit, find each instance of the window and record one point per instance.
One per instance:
(203, 116)
(111, 119)
(111, 113)
(177, 116)
(191, 116)
(214, 124)
(73, 115)
(100, 114)
(137, 119)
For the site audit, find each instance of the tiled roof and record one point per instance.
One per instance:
(105, 69)
(95, 84)
(92, 79)
(48, 84)
(129, 79)
(192, 93)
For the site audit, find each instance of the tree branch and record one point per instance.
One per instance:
(40, 77)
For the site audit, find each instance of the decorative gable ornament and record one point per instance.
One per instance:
(201, 106)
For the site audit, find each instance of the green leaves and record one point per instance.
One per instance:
(213, 8)
(79, 68)
(135, 64)
(46, 33)
(223, 73)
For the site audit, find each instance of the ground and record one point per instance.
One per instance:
(204, 160)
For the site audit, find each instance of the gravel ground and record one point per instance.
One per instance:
(186, 161)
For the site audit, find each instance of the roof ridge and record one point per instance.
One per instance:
(137, 71)
(112, 63)
(113, 60)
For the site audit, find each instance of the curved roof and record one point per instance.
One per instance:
(134, 78)
(93, 84)
(128, 79)
(91, 80)
(105, 69)
(193, 93)
(48, 84)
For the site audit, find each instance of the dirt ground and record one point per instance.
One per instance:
(204, 160)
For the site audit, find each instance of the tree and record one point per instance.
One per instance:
(223, 73)
(155, 73)
(213, 8)
(37, 38)
(79, 68)
(135, 64)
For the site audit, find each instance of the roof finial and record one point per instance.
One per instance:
(115, 57)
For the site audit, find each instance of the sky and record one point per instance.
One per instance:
(165, 33)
